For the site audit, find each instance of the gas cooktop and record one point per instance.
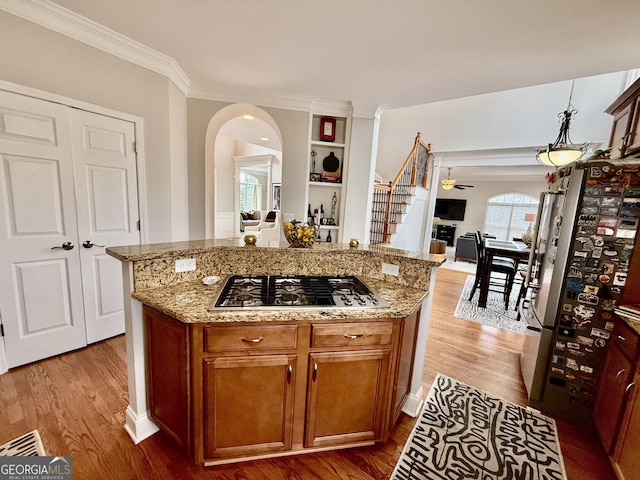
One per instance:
(275, 292)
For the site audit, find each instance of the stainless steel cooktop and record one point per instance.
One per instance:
(275, 292)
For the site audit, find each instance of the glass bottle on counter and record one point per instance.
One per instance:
(329, 237)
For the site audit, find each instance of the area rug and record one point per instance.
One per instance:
(28, 445)
(463, 433)
(494, 313)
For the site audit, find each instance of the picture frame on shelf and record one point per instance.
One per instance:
(315, 177)
(327, 129)
(276, 189)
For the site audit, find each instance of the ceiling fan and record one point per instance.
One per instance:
(450, 182)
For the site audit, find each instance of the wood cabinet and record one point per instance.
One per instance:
(168, 372)
(609, 406)
(239, 391)
(345, 402)
(327, 172)
(408, 336)
(347, 382)
(625, 133)
(244, 390)
(627, 460)
(446, 233)
(248, 405)
(617, 408)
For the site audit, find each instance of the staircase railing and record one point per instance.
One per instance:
(389, 199)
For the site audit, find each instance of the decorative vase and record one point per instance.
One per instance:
(300, 235)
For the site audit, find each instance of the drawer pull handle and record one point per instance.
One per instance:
(252, 340)
(353, 337)
(315, 371)
(628, 389)
(289, 373)
(621, 338)
(620, 373)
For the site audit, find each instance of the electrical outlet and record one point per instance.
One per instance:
(390, 269)
(185, 265)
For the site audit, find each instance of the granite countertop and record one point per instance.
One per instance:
(130, 253)
(633, 322)
(188, 302)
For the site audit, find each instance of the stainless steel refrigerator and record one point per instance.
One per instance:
(583, 241)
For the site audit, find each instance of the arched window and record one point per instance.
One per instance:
(504, 218)
(250, 192)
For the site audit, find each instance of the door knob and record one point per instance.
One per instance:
(89, 244)
(65, 246)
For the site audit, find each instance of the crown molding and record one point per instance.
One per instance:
(66, 22)
(231, 95)
(59, 19)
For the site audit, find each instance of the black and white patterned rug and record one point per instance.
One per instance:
(494, 314)
(463, 433)
(28, 445)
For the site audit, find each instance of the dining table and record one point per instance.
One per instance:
(514, 249)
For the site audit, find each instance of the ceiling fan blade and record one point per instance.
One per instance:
(462, 187)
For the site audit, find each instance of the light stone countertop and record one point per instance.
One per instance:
(129, 253)
(633, 323)
(188, 302)
(183, 296)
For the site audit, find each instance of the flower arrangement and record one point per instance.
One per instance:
(300, 235)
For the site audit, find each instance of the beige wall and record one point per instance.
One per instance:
(294, 128)
(35, 57)
(477, 200)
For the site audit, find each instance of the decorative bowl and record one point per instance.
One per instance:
(300, 235)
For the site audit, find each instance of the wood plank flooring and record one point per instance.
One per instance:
(77, 402)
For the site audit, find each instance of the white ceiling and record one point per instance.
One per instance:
(375, 52)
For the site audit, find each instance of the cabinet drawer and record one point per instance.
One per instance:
(350, 334)
(626, 339)
(254, 337)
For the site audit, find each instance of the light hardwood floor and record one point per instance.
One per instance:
(77, 403)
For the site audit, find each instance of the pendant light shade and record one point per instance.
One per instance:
(449, 182)
(562, 151)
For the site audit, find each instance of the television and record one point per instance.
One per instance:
(450, 208)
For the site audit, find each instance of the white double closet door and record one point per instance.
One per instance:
(68, 188)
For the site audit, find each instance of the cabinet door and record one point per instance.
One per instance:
(248, 405)
(619, 132)
(168, 375)
(610, 402)
(628, 460)
(406, 355)
(346, 397)
(633, 140)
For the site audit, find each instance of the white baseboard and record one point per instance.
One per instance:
(413, 404)
(139, 427)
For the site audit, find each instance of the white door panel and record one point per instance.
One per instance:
(23, 126)
(41, 312)
(45, 298)
(107, 208)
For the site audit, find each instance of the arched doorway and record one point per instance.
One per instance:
(229, 134)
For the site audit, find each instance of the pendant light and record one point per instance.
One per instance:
(448, 183)
(562, 151)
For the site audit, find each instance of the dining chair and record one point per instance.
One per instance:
(505, 267)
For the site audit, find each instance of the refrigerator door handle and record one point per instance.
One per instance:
(531, 321)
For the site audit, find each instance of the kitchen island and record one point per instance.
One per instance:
(194, 372)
